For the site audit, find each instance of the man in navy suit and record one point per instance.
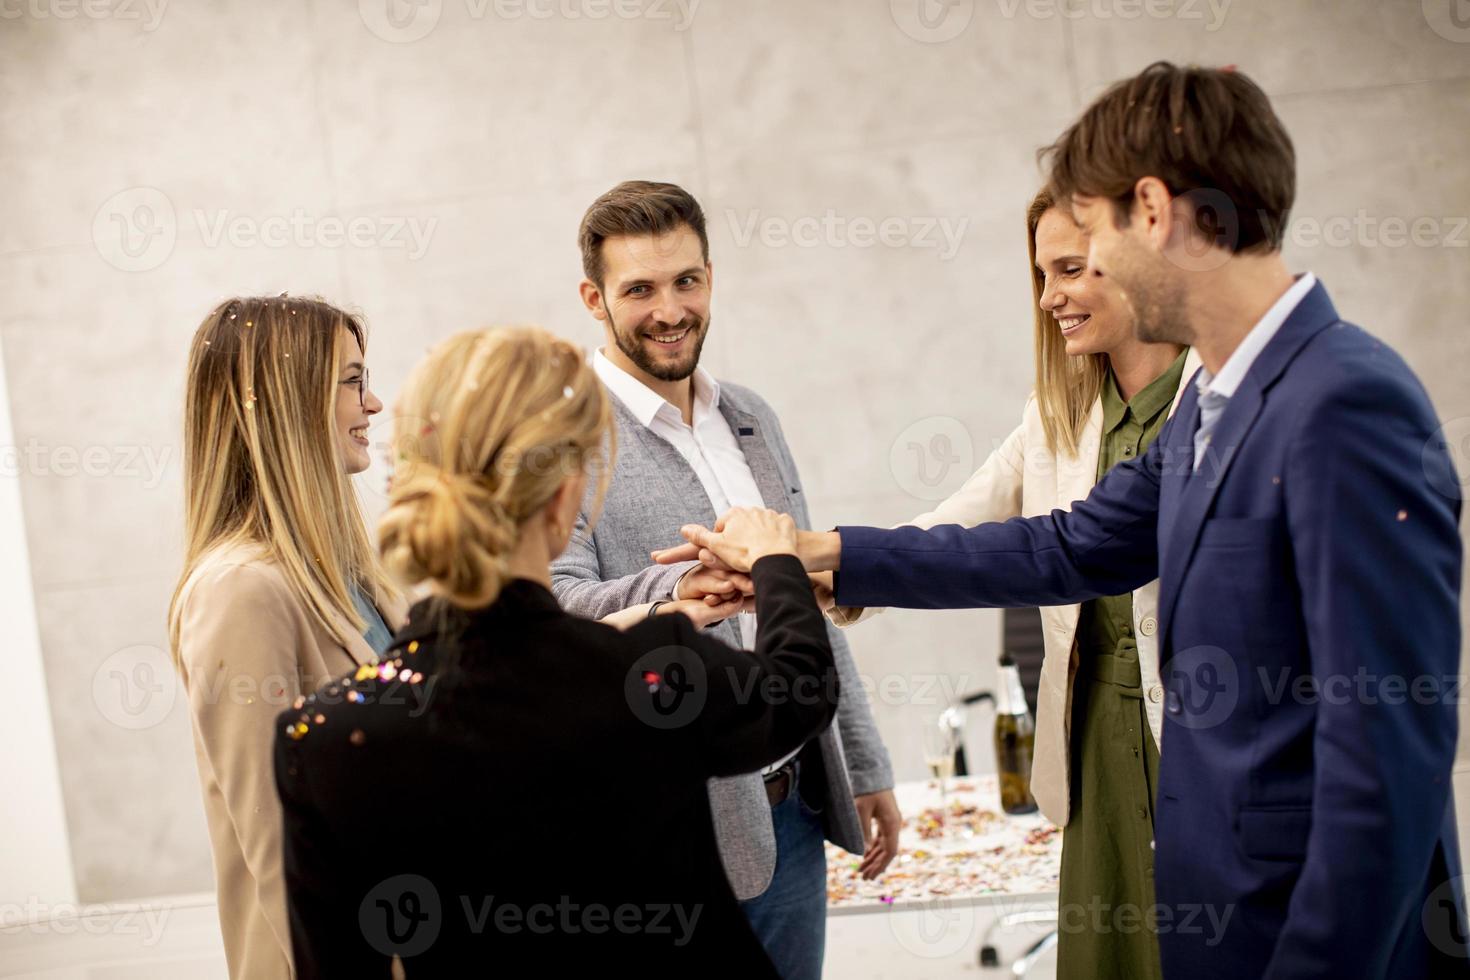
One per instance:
(1301, 512)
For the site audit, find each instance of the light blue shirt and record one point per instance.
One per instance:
(377, 634)
(1216, 390)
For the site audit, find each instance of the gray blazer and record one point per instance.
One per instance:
(653, 491)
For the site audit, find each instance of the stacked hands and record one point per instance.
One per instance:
(720, 585)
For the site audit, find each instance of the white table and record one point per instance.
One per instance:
(979, 855)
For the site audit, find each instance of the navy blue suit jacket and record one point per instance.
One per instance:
(1309, 617)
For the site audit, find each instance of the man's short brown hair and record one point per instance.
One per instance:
(637, 207)
(1208, 133)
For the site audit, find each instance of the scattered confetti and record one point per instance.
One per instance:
(967, 849)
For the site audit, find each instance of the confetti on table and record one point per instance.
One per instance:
(967, 849)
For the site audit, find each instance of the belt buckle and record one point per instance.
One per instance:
(785, 778)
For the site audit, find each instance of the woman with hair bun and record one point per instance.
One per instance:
(519, 789)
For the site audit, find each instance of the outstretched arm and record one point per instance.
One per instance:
(1106, 545)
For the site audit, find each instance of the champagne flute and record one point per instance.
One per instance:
(940, 742)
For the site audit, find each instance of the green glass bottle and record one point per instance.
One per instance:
(1015, 740)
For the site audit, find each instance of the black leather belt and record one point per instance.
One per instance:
(781, 783)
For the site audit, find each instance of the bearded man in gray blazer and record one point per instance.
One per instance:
(689, 448)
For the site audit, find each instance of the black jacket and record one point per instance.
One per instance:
(518, 790)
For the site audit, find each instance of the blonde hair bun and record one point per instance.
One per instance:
(490, 425)
(449, 529)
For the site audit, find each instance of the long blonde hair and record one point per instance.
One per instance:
(1066, 385)
(261, 458)
(488, 427)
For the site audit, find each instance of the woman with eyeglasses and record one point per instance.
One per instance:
(281, 587)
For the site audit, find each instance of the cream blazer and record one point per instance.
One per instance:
(1023, 478)
(247, 650)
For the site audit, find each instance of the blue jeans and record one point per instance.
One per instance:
(790, 917)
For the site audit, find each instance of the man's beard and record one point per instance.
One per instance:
(662, 369)
(1156, 305)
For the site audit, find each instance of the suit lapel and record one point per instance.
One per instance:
(1185, 495)
(1177, 442)
(758, 456)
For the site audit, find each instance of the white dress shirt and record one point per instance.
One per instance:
(708, 446)
(1215, 390)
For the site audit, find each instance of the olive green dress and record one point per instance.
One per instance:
(1107, 890)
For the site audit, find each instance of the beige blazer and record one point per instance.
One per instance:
(247, 650)
(1023, 478)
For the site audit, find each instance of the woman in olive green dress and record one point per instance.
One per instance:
(1101, 397)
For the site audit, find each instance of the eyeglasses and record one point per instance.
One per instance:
(361, 384)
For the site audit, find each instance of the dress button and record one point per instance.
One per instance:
(1152, 846)
(1148, 626)
(1155, 693)
(1127, 450)
(1173, 705)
